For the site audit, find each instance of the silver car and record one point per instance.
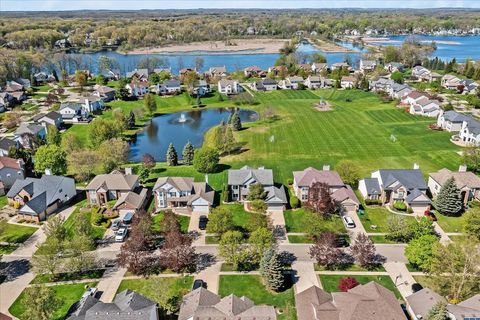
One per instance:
(121, 234)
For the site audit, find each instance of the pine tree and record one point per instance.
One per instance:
(449, 199)
(172, 158)
(131, 120)
(230, 117)
(236, 122)
(225, 193)
(438, 312)
(271, 270)
(228, 140)
(187, 154)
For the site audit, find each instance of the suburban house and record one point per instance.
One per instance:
(73, 112)
(470, 131)
(104, 92)
(307, 68)
(6, 144)
(451, 82)
(229, 86)
(469, 86)
(421, 73)
(127, 305)
(92, 103)
(201, 88)
(51, 118)
(367, 65)
(382, 84)
(116, 186)
(468, 182)
(426, 107)
(217, 72)
(139, 74)
(399, 91)
(171, 86)
(451, 121)
(340, 192)
(421, 302)
(111, 74)
(292, 82)
(413, 97)
(240, 180)
(318, 67)
(43, 77)
(183, 193)
(369, 301)
(397, 185)
(38, 198)
(278, 70)
(202, 304)
(26, 131)
(10, 170)
(137, 88)
(394, 66)
(266, 84)
(340, 65)
(348, 82)
(313, 82)
(184, 71)
(132, 201)
(252, 71)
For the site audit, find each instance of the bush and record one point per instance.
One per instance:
(258, 206)
(410, 210)
(96, 217)
(346, 284)
(294, 202)
(290, 182)
(206, 160)
(110, 215)
(372, 202)
(399, 205)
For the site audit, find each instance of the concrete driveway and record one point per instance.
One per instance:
(353, 232)
(193, 228)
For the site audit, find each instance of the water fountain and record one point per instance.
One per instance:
(182, 118)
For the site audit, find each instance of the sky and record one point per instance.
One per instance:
(60, 5)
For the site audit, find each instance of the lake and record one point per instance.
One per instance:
(179, 128)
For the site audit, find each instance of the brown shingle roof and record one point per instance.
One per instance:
(310, 175)
(462, 179)
(113, 181)
(6, 162)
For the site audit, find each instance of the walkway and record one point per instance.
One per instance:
(305, 276)
(211, 275)
(109, 283)
(401, 277)
(444, 239)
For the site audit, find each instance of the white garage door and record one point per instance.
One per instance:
(200, 208)
(419, 209)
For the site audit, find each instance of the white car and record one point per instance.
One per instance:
(121, 234)
(348, 222)
(90, 292)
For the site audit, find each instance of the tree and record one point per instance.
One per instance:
(113, 153)
(151, 63)
(50, 157)
(319, 199)
(206, 160)
(258, 206)
(260, 241)
(363, 250)
(454, 269)
(169, 223)
(471, 220)
(471, 158)
(83, 163)
(271, 271)
(438, 312)
(349, 171)
(397, 228)
(49, 261)
(101, 130)
(419, 251)
(449, 199)
(236, 121)
(231, 247)
(150, 103)
(130, 120)
(80, 79)
(188, 153)
(70, 142)
(189, 79)
(318, 58)
(256, 221)
(172, 158)
(106, 63)
(397, 76)
(144, 174)
(220, 220)
(177, 253)
(53, 135)
(148, 161)
(325, 252)
(347, 283)
(121, 92)
(256, 192)
(40, 303)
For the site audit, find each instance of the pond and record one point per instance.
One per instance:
(179, 128)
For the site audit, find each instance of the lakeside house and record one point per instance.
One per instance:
(313, 82)
(389, 186)
(240, 180)
(51, 118)
(348, 82)
(228, 87)
(41, 78)
(37, 198)
(252, 71)
(367, 65)
(104, 92)
(451, 82)
(467, 182)
(394, 66)
(319, 67)
(137, 88)
(214, 72)
(10, 170)
(342, 194)
(169, 87)
(266, 84)
(138, 74)
(201, 88)
(183, 193)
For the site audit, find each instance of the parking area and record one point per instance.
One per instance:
(352, 232)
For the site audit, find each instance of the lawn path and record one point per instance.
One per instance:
(109, 283)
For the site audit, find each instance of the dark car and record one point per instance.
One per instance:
(202, 222)
(199, 284)
(416, 287)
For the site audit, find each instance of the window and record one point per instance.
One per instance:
(401, 194)
(235, 187)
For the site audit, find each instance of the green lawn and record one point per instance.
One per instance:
(352, 267)
(92, 274)
(382, 239)
(67, 294)
(330, 282)
(252, 287)
(158, 289)
(295, 222)
(449, 224)
(3, 201)
(376, 216)
(183, 220)
(299, 239)
(14, 233)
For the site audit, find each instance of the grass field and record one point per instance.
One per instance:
(252, 287)
(295, 222)
(14, 234)
(183, 220)
(67, 295)
(330, 282)
(450, 224)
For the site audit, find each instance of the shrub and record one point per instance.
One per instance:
(258, 206)
(399, 205)
(294, 202)
(346, 284)
(290, 182)
(372, 202)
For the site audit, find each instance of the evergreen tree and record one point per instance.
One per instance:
(236, 122)
(228, 140)
(131, 120)
(225, 193)
(121, 92)
(449, 199)
(199, 101)
(172, 158)
(438, 312)
(230, 117)
(187, 154)
(271, 270)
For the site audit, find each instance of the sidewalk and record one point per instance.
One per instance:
(401, 277)
(444, 239)
(305, 276)
(109, 284)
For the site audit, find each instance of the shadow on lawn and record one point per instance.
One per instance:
(13, 269)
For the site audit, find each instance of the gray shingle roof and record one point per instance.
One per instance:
(422, 301)
(455, 117)
(240, 176)
(372, 186)
(171, 83)
(409, 178)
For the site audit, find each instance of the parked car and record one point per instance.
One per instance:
(121, 234)
(348, 222)
(202, 222)
(90, 292)
(199, 284)
(127, 220)
(116, 224)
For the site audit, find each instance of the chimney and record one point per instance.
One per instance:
(462, 168)
(416, 166)
(206, 178)
(326, 167)
(128, 170)
(48, 172)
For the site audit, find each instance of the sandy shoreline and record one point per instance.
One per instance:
(388, 40)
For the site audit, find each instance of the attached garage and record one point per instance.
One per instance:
(276, 207)
(200, 205)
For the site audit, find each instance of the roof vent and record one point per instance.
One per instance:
(326, 167)
(462, 168)
(48, 172)
(416, 166)
(128, 170)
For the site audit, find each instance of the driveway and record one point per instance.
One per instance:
(109, 284)
(211, 275)
(401, 277)
(353, 232)
(193, 228)
(305, 276)
(278, 222)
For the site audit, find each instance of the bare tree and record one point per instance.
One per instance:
(320, 200)
(325, 252)
(363, 250)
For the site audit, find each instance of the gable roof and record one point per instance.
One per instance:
(198, 189)
(171, 83)
(311, 175)
(6, 162)
(455, 117)
(113, 181)
(29, 128)
(462, 179)
(345, 193)
(133, 199)
(240, 176)
(6, 143)
(372, 186)
(423, 300)
(409, 178)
